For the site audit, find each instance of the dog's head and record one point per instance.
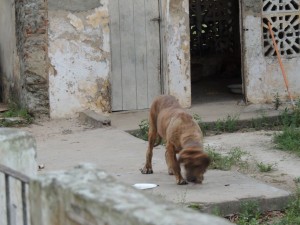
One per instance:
(195, 163)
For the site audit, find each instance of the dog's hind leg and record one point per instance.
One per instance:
(174, 164)
(152, 134)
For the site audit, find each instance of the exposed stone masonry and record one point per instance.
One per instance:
(32, 46)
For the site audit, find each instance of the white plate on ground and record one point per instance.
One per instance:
(143, 186)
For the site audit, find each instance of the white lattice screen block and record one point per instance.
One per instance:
(284, 18)
(280, 5)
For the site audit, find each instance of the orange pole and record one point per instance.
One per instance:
(281, 64)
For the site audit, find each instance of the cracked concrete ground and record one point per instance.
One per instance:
(62, 144)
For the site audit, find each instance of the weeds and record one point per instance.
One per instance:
(264, 168)
(226, 162)
(249, 213)
(288, 140)
(229, 124)
(15, 111)
(292, 216)
(195, 206)
(277, 102)
(291, 117)
(144, 128)
(260, 122)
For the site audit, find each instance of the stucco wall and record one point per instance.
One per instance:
(263, 77)
(176, 50)
(79, 54)
(9, 62)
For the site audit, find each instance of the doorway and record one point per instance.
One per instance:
(135, 52)
(216, 72)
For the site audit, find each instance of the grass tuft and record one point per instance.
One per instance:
(226, 162)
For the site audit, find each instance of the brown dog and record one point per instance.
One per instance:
(169, 121)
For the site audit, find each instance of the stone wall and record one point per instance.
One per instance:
(32, 47)
(86, 195)
(18, 152)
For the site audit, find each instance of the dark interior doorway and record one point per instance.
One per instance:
(215, 50)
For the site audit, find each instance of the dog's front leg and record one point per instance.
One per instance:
(174, 164)
(151, 141)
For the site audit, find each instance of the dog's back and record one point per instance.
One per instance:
(173, 122)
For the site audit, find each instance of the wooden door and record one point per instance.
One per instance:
(135, 52)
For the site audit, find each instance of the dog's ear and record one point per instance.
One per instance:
(194, 158)
(203, 160)
(186, 157)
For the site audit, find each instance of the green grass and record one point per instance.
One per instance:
(229, 124)
(15, 111)
(249, 214)
(288, 140)
(226, 162)
(292, 212)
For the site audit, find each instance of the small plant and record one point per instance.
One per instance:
(195, 206)
(260, 122)
(142, 133)
(225, 162)
(291, 117)
(288, 140)
(297, 180)
(264, 168)
(277, 102)
(249, 214)
(203, 126)
(291, 216)
(15, 111)
(144, 127)
(197, 118)
(216, 211)
(229, 124)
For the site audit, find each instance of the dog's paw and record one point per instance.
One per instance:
(170, 172)
(146, 170)
(182, 182)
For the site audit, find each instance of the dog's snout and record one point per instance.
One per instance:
(192, 179)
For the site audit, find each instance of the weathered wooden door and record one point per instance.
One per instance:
(135, 52)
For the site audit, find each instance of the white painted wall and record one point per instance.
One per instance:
(176, 50)
(263, 76)
(79, 54)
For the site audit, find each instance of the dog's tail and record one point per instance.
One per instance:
(158, 141)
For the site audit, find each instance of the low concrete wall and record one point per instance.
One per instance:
(86, 195)
(17, 151)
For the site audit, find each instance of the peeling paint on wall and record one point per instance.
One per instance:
(177, 50)
(262, 75)
(80, 61)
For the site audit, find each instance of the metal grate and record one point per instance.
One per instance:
(284, 17)
(24, 180)
(212, 26)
